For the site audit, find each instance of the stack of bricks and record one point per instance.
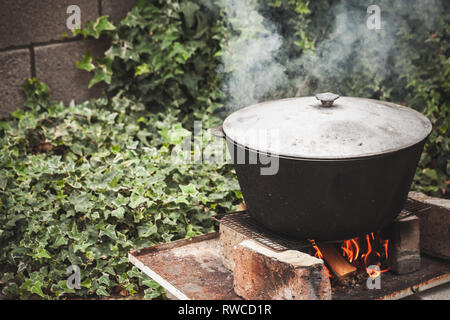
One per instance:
(36, 42)
(404, 248)
(260, 273)
(428, 232)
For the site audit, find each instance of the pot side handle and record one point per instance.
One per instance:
(217, 132)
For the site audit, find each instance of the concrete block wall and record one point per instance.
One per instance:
(32, 45)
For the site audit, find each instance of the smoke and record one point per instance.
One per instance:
(351, 44)
(354, 50)
(349, 51)
(250, 56)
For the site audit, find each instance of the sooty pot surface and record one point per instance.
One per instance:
(325, 167)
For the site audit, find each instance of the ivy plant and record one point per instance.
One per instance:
(85, 184)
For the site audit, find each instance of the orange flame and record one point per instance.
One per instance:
(319, 255)
(373, 248)
(355, 243)
(369, 250)
(385, 246)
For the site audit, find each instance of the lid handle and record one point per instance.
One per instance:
(327, 98)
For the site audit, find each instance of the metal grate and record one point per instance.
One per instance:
(414, 207)
(242, 222)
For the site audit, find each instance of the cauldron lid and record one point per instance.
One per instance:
(332, 128)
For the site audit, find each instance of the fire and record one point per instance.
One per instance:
(319, 255)
(350, 250)
(363, 252)
(385, 246)
(369, 250)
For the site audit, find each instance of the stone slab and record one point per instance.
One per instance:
(117, 9)
(189, 269)
(434, 226)
(14, 71)
(56, 66)
(23, 22)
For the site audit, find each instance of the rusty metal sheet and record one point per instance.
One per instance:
(188, 269)
(192, 269)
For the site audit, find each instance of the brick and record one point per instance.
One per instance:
(24, 22)
(56, 66)
(117, 9)
(404, 248)
(229, 239)
(263, 274)
(434, 226)
(14, 72)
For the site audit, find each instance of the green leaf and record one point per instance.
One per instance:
(42, 253)
(37, 289)
(86, 283)
(4, 125)
(86, 63)
(103, 24)
(103, 72)
(147, 230)
(66, 289)
(108, 230)
(61, 240)
(142, 69)
(189, 189)
(189, 9)
(99, 76)
(102, 291)
(154, 290)
(137, 200)
(118, 213)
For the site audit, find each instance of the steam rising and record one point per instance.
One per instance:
(349, 48)
(350, 42)
(250, 56)
(352, 49)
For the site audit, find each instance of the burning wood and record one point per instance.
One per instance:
(357, 253)
(339, 266)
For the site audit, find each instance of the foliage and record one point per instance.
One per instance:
(164, 53)
(99, 176)
(425, 73)
(85, 184)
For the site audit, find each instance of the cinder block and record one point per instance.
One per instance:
(263, 274)
(117, 9)
(434, 226)
(56, 66)
(14, 71)
(23, 21)
(404, 248)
